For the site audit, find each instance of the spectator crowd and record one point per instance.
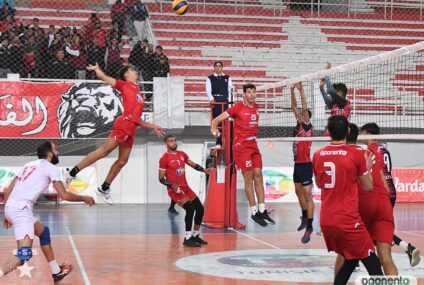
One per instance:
(64, 53)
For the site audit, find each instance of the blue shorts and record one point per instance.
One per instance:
(303, 173)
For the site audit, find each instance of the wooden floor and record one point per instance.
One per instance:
(142, 244)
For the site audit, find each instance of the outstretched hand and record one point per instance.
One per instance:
(208, 171)
(89, 200)
(93, 67)
(158, 130)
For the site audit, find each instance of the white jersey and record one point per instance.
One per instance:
(31, 181)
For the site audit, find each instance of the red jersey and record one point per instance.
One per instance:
(246, 120)
(101, 35)
(174, 164)
(132, 100)
(302, 150)
(386, 165)
(345, 111)
(336, 168)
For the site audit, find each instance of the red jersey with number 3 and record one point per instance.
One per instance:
(345, 111)
(302, 150)
(336, 168)
(246, 120)
(132, 100)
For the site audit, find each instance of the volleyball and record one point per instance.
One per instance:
(180, 7)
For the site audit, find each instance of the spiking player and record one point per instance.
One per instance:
(246, 152)
(338, 169)
(302, 176)
(172, 175)
(21, 195)
(378, 149)
(124, 128)
(335, 96)
(375, 208)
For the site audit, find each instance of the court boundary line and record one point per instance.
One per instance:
(413, 234)
(78, 257)
(255, 239)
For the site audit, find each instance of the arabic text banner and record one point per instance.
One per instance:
(57, 110)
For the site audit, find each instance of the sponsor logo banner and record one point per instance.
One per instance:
(409, 183)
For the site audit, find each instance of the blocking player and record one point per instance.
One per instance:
(375, 208)
(337, 169)
(124, 128)
(20, 197)
(172, 175)
(246, 152)
(375, 147)
(302, 176)
(335, 96)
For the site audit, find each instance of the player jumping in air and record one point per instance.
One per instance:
(338, 168)
(246, 152)
(335, 96)
(302, 176)
(21, 195)
(378, 149)
(124, 129)
(172, 175)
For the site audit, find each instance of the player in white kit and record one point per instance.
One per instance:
(20, 197)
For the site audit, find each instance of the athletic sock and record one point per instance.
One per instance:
(188, 235)
(253, 210)
(105, 186)
(304, 214)
(261, 207)
(1, 273)
(403, 245)
(196, 233)
(309, 223)
(54, 267)
(74, 171)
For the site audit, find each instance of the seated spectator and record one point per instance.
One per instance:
(159, 54)
(6, 11)
(84, 35)
(99, 33)
(78, 53)
(29, 64)
(118, 13)
(96, 54)
(51, 34)
(114, 61)
(57, 44)
(4, 58)
(16, 56)
(114, 32)
(93, 20)
(42, 56)
(28, 33)
(60, 67)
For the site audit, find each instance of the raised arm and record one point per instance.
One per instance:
(327, 99)
(156, 128)
(305, 111)
(101, 75)
(294, 101)
(216, 121)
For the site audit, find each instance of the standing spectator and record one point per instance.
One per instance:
(162, 68)
(58, 43)
(41, 52)
(60, 67)
(99, 33)
(118, 14)
(35, 24)
(218, 89)
(139, 15)
(4, 58)
(113, 55)
(96, 54)
(114, 32)
(78, 54)
(16, 56)
(6, 11)
(29, 64)
(93, 20)
(85, 36)
(138, 54)
(50, 35)
(129, 23)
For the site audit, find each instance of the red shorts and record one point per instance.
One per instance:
(186, 192)
(124, 131)
(247, 156)
(353, 243)
(377, 213)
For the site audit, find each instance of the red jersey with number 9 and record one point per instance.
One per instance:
(132, 99)
(336, 168)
